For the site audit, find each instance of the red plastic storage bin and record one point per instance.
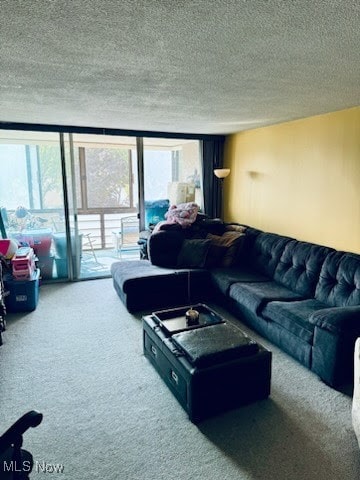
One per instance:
(39, 240)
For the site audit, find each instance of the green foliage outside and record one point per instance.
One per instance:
(107, 172)
(107, 175)
(50, 174)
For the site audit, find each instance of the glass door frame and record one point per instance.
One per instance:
(141, 194)
(72, 250)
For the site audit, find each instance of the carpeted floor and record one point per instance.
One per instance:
(107, 414)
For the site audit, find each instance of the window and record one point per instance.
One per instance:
(172, 170)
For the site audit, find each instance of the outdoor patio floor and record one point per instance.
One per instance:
(100, 267)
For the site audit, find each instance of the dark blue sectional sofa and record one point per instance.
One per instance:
(303, 297)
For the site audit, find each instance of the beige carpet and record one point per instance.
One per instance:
(107, 414)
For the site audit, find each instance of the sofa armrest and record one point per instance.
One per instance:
(356, 396)
(338, 320)
(336, 330)
(355, 410)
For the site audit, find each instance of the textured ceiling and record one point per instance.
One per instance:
(191, 66)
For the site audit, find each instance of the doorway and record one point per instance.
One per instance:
(102, 181)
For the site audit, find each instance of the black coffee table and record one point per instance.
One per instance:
(209, 369)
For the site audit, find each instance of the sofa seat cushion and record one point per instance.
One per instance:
(143, 286)
(139, 273)
(223, 278)
(294, 316)
(255, 296)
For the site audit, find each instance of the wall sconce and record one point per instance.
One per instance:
(221, 172)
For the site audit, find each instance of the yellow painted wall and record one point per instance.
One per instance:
(300, 179)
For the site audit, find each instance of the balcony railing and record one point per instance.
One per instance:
(101, 224)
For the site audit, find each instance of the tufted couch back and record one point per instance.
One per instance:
(299, 266)
(339, 280)
(263, 251)
(313, 271)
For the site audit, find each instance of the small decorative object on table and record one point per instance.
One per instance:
(188, 317)
(192, 317)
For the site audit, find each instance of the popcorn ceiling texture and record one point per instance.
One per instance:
(197, 66)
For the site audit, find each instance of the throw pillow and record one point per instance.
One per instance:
(193, 253)
(234, 227)
(224, 248)
(215, 255)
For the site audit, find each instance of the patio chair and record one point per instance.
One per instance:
(15, 462)
(128, 235)
(85, 239)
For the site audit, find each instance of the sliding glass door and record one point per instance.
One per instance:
(31, 193)
(105, 200)
(77, 198)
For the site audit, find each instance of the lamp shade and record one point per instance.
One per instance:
(221, 172)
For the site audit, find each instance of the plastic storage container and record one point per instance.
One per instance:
(23, 294)
(39, 240)
(23, 263)
(62, 266)
(46, 265)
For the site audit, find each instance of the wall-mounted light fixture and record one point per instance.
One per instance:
(221, 172)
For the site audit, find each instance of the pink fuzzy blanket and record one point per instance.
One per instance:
(184, 214)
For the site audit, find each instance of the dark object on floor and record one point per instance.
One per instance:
(15, 462)
(217, 377)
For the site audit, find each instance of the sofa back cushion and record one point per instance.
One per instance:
(193, 253)
(164, 247)
(339, 280)
(224, 249)
(299, 266)
(262, 252)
